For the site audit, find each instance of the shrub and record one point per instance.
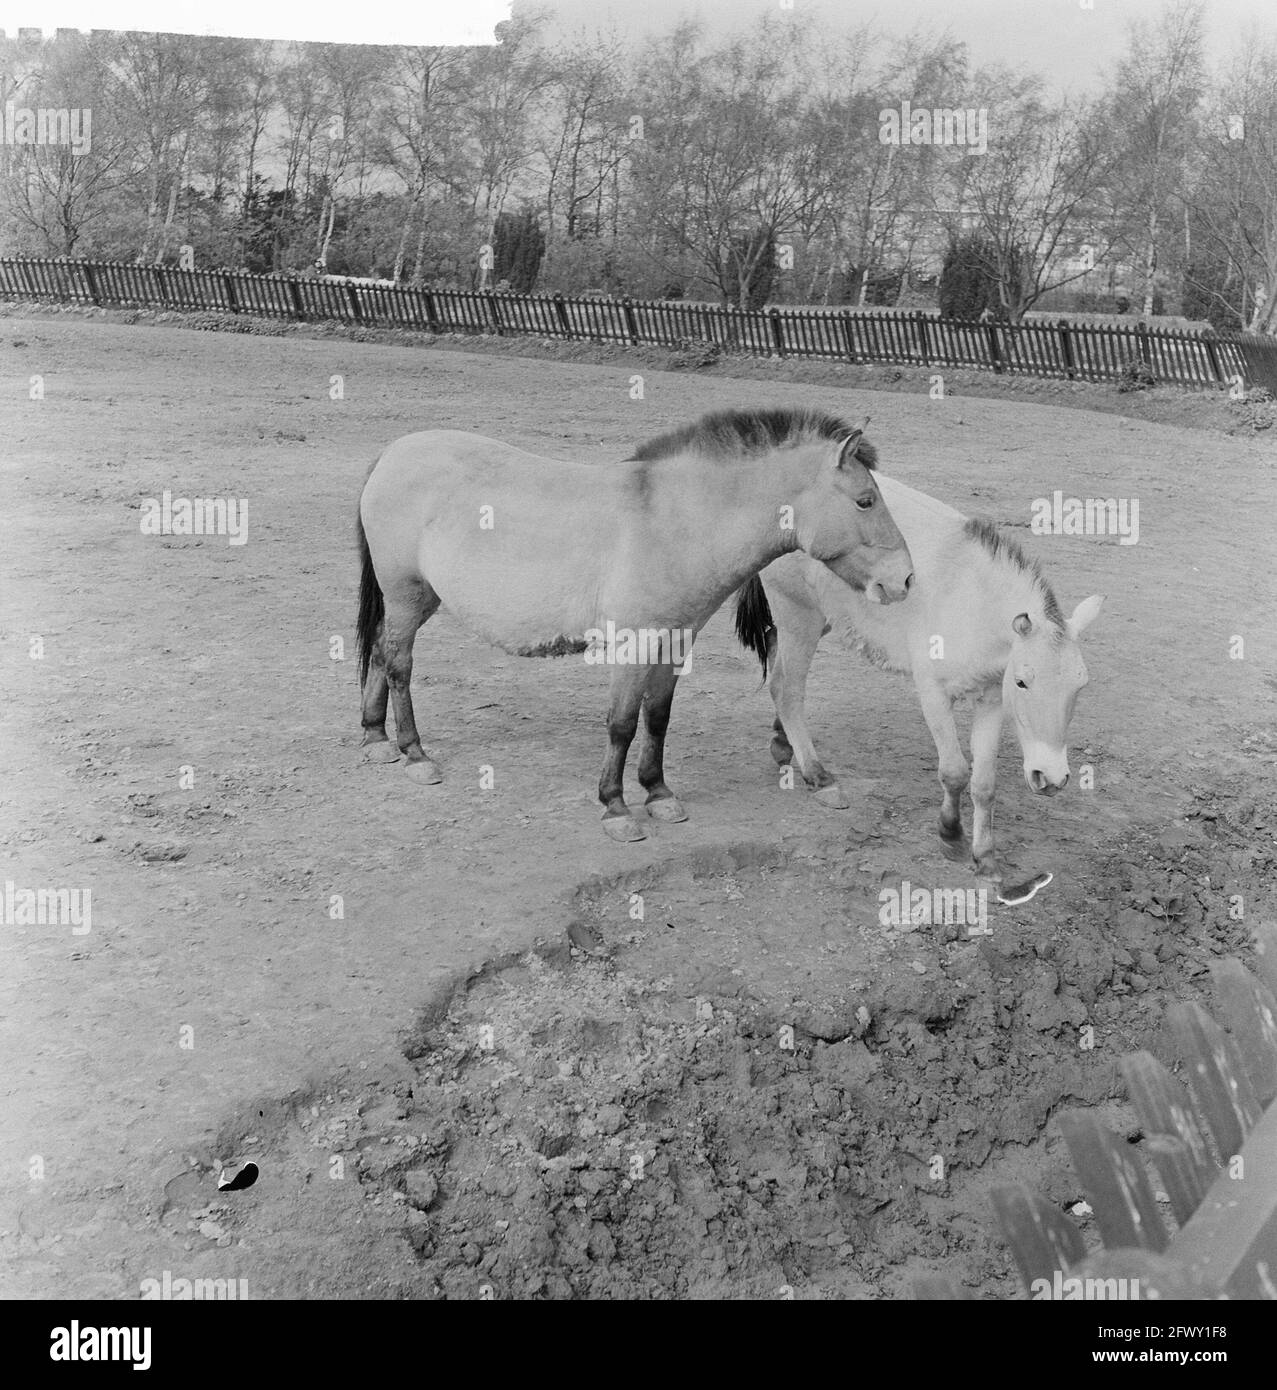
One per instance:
(1136, 375)
(969, 279)
(695, 353)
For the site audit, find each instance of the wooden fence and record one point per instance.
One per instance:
(1069, 350)
(1214, 1151)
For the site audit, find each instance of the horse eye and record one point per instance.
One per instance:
(864, 503)
(1022, 685)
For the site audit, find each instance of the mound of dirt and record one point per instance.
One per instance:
(738, 1082)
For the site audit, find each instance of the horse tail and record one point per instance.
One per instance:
(372, 604)
(754, 626)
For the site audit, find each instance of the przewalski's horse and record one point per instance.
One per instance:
(538, 555)
(980, 621)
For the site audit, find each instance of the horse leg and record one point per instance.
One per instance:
(986, 734)
(781, 748)
(376, 746)
(662, 804)
(406, 610)
(799, 628)
(622, 724)
(937, 710)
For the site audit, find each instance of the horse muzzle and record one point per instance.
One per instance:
(893, 585)
(1043, 784)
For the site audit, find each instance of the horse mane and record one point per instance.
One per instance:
(984, 533)
(747, 433)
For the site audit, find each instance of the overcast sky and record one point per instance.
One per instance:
(1056, 37)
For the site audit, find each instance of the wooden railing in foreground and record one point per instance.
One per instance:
(1213, 1145)
(1067, 349)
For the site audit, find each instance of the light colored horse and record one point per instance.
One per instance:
(980, 622)
(541, 557)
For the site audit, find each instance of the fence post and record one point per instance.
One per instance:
(778, 333)
(1066, 348)
(995, 352)
(490, 299)
(90, 281)
(1212, 353)
(848, 337)
(1141, 337)
(161, 282)
(432, 319)
(631, 323)
(352, 298)
(561, 313)
(228, 284)
(921, 320)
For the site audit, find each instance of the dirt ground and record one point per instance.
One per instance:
(518, 1059)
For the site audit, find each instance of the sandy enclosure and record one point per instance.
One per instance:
(488, 1076)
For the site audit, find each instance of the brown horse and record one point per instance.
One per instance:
(543, 557)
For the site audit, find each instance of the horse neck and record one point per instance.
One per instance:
(741, 531)
(1014, 591)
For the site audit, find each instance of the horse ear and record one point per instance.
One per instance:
(847, 450)
(1022, 624)
(1085, 614)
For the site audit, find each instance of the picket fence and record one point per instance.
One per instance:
(1065, 349)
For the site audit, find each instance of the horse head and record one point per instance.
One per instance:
(1040, 686)
(842, 521)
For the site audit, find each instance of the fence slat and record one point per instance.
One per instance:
(1217, 1075)
(1232, 1238)
(1250, 1011)
(1042, 1239)
(1115, 1183)
(1176, 1139)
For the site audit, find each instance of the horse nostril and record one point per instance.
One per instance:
(1065, 782)
(908, 581)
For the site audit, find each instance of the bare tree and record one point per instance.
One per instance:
(582, 145)
(503, 80)
(1037, 194)
(421, 139)
(161, 86)
(717, 175)
(57, 193)
(1157, 88)
(1233, 198)
(349, 84)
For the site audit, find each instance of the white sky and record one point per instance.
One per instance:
(1058, 38)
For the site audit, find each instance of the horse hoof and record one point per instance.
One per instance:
(667, 808)
(782, 753)
(832, 795)
(958, 850)
(423, 770)
(989, 868)
(624, 829)
(383, 751)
